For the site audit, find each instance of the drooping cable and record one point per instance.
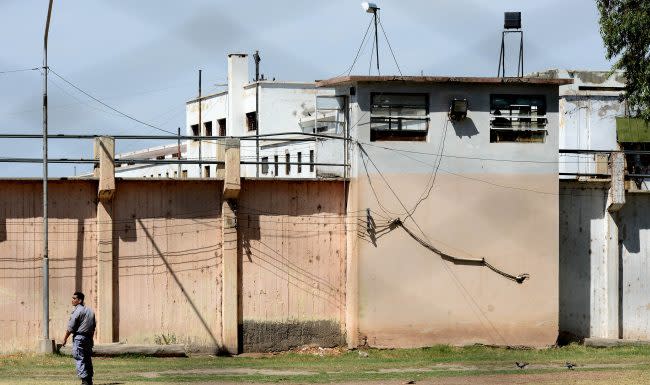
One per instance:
(349, 70)
(20, 70)
(108, 106)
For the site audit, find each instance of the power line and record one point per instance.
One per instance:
(390, 48)
(20, 70)
(349, 70)
(108, 106)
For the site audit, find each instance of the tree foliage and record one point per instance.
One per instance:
(625, 28)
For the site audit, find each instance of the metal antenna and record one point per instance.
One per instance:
(374, 9)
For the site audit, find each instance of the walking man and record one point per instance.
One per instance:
(82, 328)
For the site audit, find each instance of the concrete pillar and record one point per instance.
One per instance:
(230, 283)
(105, 152)
(607, 291)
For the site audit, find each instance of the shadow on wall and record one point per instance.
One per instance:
(580, 210)
(464, 127)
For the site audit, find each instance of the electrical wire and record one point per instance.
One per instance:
(108, 106)
(349, 70)
(390, 48)
(20, 70)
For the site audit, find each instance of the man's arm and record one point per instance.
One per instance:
(65, 339)
(72, 325)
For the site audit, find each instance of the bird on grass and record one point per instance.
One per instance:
(521, 365)
(570, 365)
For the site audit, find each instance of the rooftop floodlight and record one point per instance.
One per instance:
(458, 109)
(512, 20)
(369, 7)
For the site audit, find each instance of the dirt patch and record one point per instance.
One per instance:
(278, 336)
(230, 371)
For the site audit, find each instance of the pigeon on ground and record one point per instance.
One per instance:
(570, 365)
(521, 365)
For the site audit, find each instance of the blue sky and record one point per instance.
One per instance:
(142, 57)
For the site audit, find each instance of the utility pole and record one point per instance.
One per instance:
(200, 129)
(46, 343)
(257, 112)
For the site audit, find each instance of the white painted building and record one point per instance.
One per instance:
(286, 108)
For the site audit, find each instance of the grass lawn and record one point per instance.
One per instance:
(435, 365)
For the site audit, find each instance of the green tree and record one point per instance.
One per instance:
(625, 28)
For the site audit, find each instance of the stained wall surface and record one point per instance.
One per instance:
(480, 199)
(292, 251)
(167, 251)
(72, 253)
(167, 239)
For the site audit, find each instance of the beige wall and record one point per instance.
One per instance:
(72, 252)
(409, 296)
(168, 253)
(292, 250)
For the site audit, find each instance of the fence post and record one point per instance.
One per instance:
(105, 152)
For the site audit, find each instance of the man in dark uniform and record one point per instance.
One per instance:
(82, 328)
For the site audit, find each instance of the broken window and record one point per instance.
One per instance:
(399, 117)
(195, 130)
(222, 126)
(518, 118)
(208, 128)
(251, 121)
(265, 165)
(328, 117)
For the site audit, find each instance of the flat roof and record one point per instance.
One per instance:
(342, 80)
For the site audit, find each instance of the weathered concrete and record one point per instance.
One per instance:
(277, 336)
(105, 151)
(230, 293)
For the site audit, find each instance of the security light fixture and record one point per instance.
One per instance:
(512, 20)
(458, 109)
(369, 7)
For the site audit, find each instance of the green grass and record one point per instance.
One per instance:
(380, 365)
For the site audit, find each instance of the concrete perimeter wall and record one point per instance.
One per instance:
(167, 261)
(587, 307)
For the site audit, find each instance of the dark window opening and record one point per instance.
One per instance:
(311, 160)
(299, 162)
(251, 121)
(176, 155)
(195, 130)
(518, 118)
(637, 163)
(520, 136)
(276, 166)
(207, 172)
(399, 117)
(160, 157)
(222, 126)
(265, 165)
(208, 128)
(287, 165)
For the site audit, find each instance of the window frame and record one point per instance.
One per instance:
(399, 133)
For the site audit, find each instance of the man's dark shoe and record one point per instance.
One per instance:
(87, 381)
